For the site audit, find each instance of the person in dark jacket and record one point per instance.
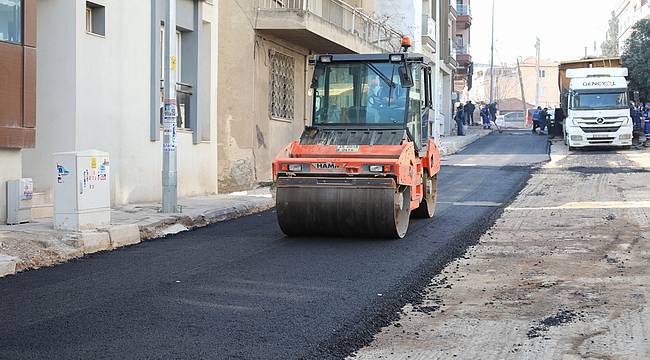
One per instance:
(536, 114)
(543, 118)
(492, 109)
(460, 119)
(469, 113)
(558, 123)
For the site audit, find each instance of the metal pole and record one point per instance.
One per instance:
(437, 90)
(492, 59)
(169, 175)
(523, 95)
(537, 51)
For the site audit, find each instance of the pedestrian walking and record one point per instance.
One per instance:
(469, 109)
(536, 114)
(492, 109)
(485, 116)
(460, 119)
(636, 116)
(646, 118)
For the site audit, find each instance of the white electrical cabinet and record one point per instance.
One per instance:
(82, 192)
(19, 201)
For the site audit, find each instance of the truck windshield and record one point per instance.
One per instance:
(359, 93)
(599, 100)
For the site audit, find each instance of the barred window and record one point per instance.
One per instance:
(282, 86)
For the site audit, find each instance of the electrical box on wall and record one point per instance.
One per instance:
(19, 201)
(82, 192)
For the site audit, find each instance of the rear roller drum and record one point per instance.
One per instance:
(428, 205)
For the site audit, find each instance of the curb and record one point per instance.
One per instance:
(7, 265)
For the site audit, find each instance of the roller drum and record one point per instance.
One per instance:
(362, 207)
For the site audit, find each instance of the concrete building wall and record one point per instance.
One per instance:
(629, 12)
(249, 138)
(95, 93)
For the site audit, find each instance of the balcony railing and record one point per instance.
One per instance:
(464, 10)
(462, 49)
(342, 15)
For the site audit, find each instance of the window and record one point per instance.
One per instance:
(542, 73)
(11, 21)
(599, 100)
(95, 19)
(359, 93)
(281, 86)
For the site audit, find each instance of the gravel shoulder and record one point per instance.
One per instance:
(562, 274)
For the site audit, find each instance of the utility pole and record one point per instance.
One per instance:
(437, 89)
(523, 96)
(492, 59)
(537, 51)
(169, 172)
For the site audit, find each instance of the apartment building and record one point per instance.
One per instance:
(629, 12)
(17, 88)
(462, 42)
(507, 88)
(264, 84)
(99, 80)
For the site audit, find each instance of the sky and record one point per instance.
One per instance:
(564, 28)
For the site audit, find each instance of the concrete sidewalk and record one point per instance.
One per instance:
(453, 144)
(38, 244)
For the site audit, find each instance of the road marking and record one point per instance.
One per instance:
(590, 205)
(472, 203)
(460, 164)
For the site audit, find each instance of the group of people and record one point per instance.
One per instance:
(540, 119)
(640, 115)
(465, 115)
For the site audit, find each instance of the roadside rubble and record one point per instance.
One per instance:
(562, 274)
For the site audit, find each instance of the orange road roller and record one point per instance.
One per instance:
(369, 160)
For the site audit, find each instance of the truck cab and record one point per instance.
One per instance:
(598, 112)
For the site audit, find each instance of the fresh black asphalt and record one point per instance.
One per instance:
(242, 290)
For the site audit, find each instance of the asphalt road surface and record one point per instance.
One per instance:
(242, 290)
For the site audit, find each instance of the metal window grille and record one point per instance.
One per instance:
(282, 85)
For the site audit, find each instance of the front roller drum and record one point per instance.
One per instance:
(360, 207)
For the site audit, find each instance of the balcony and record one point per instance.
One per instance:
(464, 19)
(429, 32)
(463, 56)
(325, 26)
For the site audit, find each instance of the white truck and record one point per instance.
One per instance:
(598, 109)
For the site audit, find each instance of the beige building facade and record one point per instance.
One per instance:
(506, 83)
(264, 84)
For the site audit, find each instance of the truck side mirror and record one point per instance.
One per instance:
(405, 76)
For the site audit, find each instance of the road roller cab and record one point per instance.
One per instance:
(368, 161)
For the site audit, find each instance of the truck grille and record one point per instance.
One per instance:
(599, 129)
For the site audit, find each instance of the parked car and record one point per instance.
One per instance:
(515, 116)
